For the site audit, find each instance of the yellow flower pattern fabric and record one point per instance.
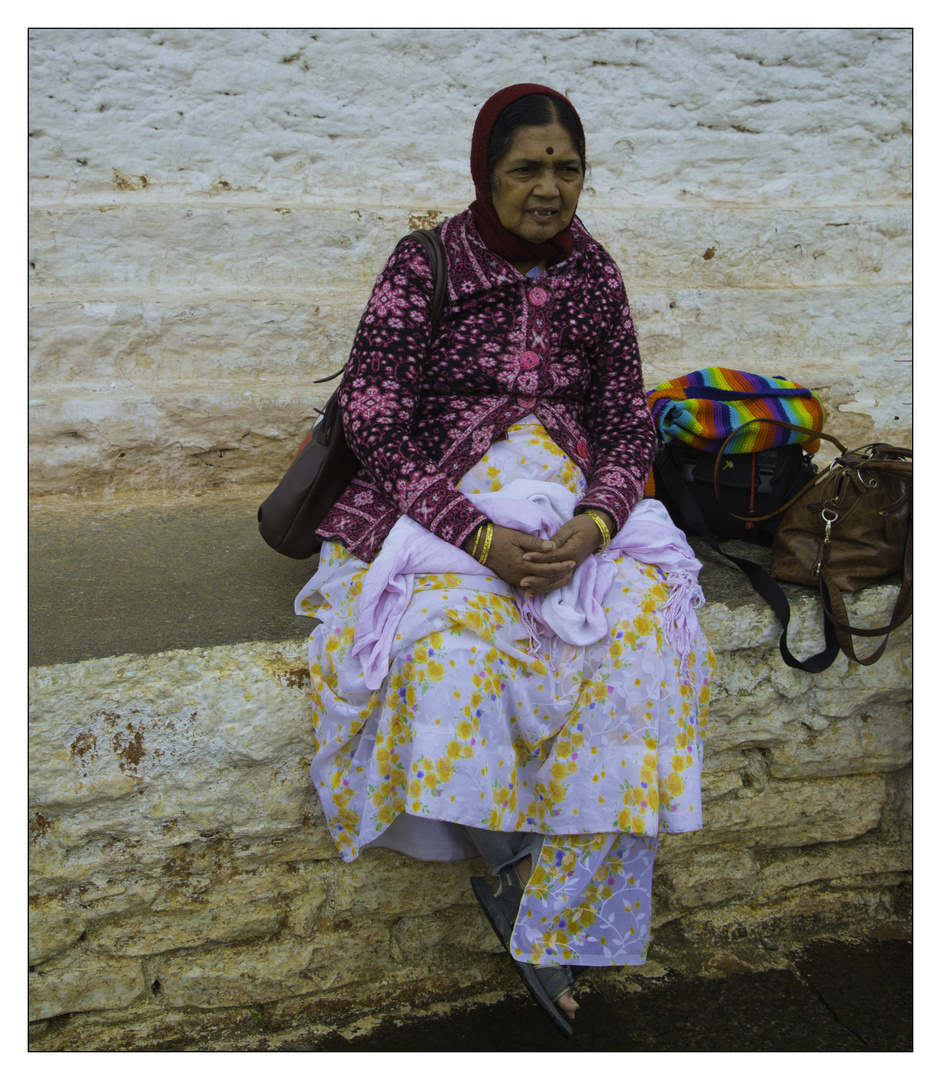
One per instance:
(588, 901)
(599, 749)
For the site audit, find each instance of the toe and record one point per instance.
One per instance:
(567, 1004)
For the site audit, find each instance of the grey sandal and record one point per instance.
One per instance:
(545, 984)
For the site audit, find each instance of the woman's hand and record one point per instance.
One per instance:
(509, 556)
(573, 543)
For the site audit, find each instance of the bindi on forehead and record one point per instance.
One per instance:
(549, 150)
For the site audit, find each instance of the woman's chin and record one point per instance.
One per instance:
(537, 232)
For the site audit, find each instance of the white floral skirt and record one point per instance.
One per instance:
(477, 723)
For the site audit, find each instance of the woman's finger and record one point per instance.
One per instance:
(530, 545)
(537, 557)
(576, 550)
(566, 546)
(535, 587)
(546, 571)
(551, 586)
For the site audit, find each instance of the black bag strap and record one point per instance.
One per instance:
(762, 582)
(438, 258)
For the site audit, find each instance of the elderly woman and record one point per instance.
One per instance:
(507, 660)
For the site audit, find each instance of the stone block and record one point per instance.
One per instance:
(413, 937)
(827, 338)
(56, 922)
(306, 906)
(787, 115)
(875, 740)
(717, 247)
(812, 910)
(382, 884)
(193, 342)
(716, 784)
(182, 396)
(283, 967)
(210, 252)
(690, 875)
(796, 813)
(831, 862)
(84, 982)
(897, 818)
(151, 933)
(154, 726)
(184, 441)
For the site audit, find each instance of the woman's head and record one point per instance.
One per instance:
(535, 184)
(528, 166)
(533, 110)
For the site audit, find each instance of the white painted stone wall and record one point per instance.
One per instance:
(183, 878)
(209, 209)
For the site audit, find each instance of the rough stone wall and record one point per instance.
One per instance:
(210, 207)
(183, 877)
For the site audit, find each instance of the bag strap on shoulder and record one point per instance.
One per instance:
(438, 258)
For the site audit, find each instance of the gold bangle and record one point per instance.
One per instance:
(477, 533)
(605, 531)
(487, 542)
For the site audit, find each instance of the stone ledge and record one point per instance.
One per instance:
(180, 864)
(109, 579)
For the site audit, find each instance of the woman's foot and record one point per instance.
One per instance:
(564, 1002)
(501, 906)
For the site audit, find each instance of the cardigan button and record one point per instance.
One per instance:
(529, 360)
(538, 296)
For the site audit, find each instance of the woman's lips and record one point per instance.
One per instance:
(543, 213)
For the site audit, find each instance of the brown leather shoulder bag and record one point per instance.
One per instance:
(849, 527)
(324, 464)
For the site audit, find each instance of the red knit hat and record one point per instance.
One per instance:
(495, 235)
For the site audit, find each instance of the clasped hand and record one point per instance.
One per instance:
(539, 566)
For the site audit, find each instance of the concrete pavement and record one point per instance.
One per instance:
(829, 996)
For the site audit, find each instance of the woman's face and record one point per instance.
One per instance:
(536, 184)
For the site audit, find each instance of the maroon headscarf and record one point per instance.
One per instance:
(496, 236)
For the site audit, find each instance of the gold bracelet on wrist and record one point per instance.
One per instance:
(477, 534)
(602, 525)
(487, 542)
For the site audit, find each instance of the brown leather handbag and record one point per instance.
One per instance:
(324, 464)
(847, 528)
(850, 527)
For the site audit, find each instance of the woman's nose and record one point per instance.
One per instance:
(546, 183)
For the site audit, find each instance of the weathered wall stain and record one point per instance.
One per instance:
(84, 747)
(129, 183)
(129, 748)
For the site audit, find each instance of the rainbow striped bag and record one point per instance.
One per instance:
(762, 465)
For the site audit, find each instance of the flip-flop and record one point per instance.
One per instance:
(547, 984)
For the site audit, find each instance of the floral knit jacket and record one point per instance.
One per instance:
(418, 413)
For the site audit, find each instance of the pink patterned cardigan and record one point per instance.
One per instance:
(561, 347)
